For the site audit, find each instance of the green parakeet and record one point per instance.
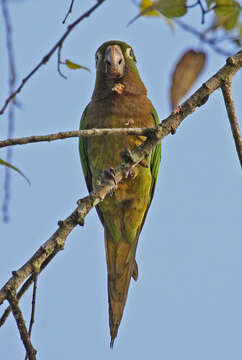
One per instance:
(119, 101)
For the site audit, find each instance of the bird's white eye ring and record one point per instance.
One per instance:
(98, 57)
(130, 53)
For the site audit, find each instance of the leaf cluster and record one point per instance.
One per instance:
(227, 13)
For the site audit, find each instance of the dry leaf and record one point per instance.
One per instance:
(186, 72)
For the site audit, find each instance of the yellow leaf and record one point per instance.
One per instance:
(144, 5)
(186, 72)
(75, 66)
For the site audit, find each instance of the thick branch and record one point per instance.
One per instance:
(49, 54)
(229, 103)
(11, 296)
(108, 180)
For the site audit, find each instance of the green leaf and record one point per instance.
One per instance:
(226, 7)
(232, 20)
(227, 12)
(74, 66)
(168, 8)
(2, 162)
(171, 8)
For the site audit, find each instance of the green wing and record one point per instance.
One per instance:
(83, 152)
(154, 167)
(155, 157)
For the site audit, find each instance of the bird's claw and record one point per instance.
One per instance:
(144, 163)
(111, 174)
(131, 173)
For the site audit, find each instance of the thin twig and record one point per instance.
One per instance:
(33, 305)
(7, 177)
(203, 38)
(11, 113)
(108, 184)
(229, 103)
(25, 286)
(203, 11)
(49, 54)
(17, 313)
(33, 308)
(59, 62)
(68, 12)
(74, 133)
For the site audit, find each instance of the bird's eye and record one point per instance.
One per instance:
(130, 53)
(98, 57)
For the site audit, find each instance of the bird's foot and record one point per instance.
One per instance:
(110, 173)
(144, 163)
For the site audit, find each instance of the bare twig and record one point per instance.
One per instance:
(74, 133)
(33, 304)
(203, 38)
(59, 62)
(7, 178)
(25, 286)
(33, 308)
(229, 103)
(49, 54)
(68, 12)
(108, 184)
(11, 113)
(11, 296)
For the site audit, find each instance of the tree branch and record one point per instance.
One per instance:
(229, 103)
(17, 313)
(74, 133)
(49, 54)
(108, 181)
(25, 287)
(223, 76)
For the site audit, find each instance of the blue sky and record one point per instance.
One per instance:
(187, 301)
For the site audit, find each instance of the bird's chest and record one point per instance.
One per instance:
(118, 112)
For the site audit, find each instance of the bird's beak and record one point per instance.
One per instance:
(114, 61)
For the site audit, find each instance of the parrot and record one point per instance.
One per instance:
(119, 100)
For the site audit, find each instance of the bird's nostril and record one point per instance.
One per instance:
(120, 61)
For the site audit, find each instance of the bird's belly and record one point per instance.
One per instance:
(122, 212)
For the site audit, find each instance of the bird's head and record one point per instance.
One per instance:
(113, 57)
(116, 70)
